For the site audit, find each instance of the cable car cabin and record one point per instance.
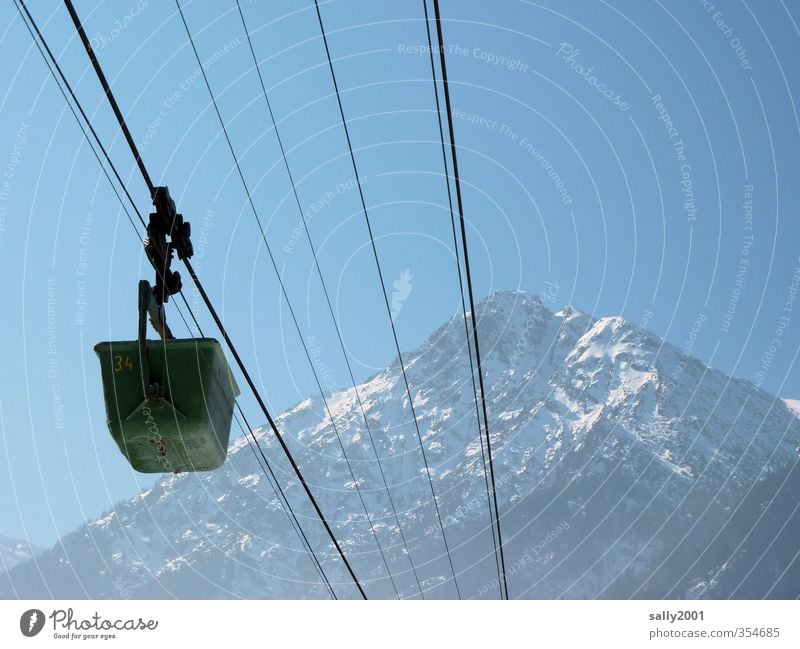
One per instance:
(183, 423)
(169, 402)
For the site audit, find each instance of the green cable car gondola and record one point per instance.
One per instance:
(168, 402)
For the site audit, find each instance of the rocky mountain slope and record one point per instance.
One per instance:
(623, 467)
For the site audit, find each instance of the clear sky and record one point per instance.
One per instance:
(640, 155)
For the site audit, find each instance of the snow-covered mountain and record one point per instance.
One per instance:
(624, 468)
(14, 552)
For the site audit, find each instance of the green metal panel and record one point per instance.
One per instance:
(185, 425)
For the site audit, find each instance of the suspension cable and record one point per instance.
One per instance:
(109, 95)
(461, 294)
(385, 296)
(470, 292)
(288, 302)
(252, 441)
(284, 501)
(52, 65)
(261, 459)
(229, 343)
(328, 301)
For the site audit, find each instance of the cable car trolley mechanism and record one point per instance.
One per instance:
(169, 402)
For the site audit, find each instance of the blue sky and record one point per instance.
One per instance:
(632, 152)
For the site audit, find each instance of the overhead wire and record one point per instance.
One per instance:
(248, 432)
(209, 305)
(53, 66)
(385, 296)
(274, 428)
(261, 459)
(461, 294)
(288, 301)
(468, 273)
(282, 498)
(329, 303)
(110, 96)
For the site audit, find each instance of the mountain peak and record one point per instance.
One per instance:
(508, 301)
